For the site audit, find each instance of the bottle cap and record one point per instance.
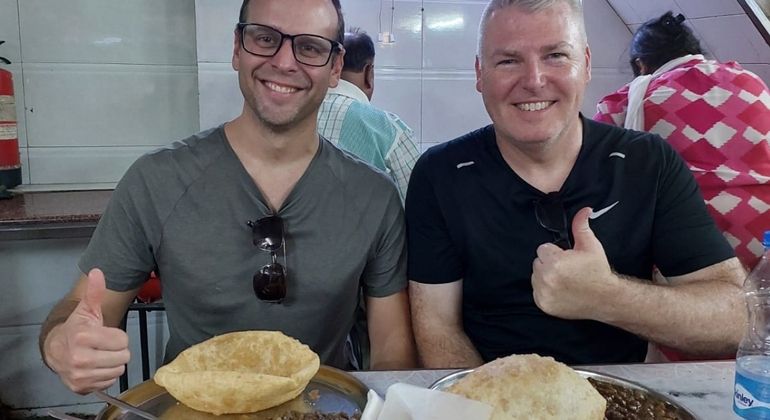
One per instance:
(766, 239)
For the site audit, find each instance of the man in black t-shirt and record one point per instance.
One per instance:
(540, 232)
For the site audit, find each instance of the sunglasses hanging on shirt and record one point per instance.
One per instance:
(550, 213)
(269, 282)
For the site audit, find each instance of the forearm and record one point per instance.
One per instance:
(396, 352)
(443, 348)
(703, 318)
(390, 332)
(438, 326)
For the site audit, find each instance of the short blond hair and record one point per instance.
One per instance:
(530, 6)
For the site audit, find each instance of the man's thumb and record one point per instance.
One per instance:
(91, 305)
(581, 231)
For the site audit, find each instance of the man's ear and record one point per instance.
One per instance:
(337, 65)
(236, 49)
(369, 76)
(477, 66)
(588, 63)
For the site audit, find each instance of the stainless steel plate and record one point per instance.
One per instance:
(673, 409)
(330, 391)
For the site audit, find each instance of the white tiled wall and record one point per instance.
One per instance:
(722, 33)
(407, 51)
(393, 86)
(709, 8)
(723, 27)
(450, 34)
(220, 97)
(632, 11)
(98, 84)
(93, 31)
(9, 30)
(214, 25)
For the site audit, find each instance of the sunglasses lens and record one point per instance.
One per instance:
(268, 233)
(551, 215)
(270, 283)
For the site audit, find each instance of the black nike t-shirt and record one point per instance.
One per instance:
(469, 216)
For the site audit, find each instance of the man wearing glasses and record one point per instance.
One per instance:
(540, 232)
(256, 224)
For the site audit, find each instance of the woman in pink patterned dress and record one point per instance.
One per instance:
(716, 115)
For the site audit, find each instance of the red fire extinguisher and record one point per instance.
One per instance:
(10, 160)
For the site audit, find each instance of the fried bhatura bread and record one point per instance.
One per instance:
(239, 372)
(532, 387)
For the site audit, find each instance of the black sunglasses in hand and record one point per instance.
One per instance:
(270, 281)
(550, 213)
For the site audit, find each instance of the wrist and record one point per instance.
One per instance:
(611, 298)
(45, 344)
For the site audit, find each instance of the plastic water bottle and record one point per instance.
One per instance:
(752, 364)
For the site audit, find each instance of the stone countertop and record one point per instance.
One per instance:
(706, 388)
(43, 215)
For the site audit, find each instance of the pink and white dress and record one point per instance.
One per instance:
(717, 116)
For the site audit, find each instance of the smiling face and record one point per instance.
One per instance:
(532, 71)
(280, 92)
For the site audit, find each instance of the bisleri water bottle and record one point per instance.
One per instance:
(751, 398)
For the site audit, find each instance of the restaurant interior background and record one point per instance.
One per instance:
(98, 83)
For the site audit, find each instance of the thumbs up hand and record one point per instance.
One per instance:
(573, 283)
(87, 355)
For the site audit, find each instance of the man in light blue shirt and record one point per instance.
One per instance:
(350, 121)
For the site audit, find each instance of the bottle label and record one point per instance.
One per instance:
(7, 109)
(751, 398)
(8, 131)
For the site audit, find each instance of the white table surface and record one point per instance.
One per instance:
(706, 388)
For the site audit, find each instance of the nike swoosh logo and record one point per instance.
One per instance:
(464, 164)
(596, 214)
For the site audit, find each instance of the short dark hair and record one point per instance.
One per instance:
(661, 40)
(340, 21)
(359, 50)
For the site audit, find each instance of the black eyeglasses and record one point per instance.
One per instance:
(264, 41)
(550, 213)
(270, 281)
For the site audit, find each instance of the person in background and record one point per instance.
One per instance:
(350, 121)
(539, 233)
(258, 224)
(716, 115)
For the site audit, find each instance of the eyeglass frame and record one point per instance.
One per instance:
(263, 281)
(554, 202)
(336, 45)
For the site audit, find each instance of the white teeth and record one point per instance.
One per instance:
(534, 106)
(279, 88)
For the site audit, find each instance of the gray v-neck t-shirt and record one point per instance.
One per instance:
(182, 211)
